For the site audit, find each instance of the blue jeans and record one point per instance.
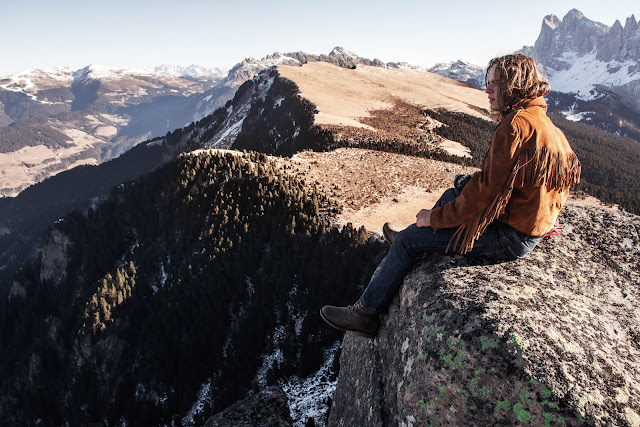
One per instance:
(498, 242)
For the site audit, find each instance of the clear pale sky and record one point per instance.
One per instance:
(135, 33)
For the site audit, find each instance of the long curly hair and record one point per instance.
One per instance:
(518, 80)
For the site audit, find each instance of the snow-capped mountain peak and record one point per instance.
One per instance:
(250, 67)
(191, 71)
(97, 72)
(340, 51)
(37, 79)
(461, 71)
(588, 58)
(41, 77)
(551, 21)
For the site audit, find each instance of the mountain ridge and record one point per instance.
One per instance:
(115, 109)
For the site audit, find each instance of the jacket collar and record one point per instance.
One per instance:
(533, 102)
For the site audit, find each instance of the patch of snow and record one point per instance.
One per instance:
(250, 287)
(264, 86)
(277, 59)
(460, 71)
(28, 79)
(231, 133)
(576, 117)
(190, 71)
(156, 142)
(102, 72)
(32, 81)
(308, 398)
(339, 51)
(585, 72)
(204, 398)
(150, 395)
(163, 277)
(235, 116)
(273, 358)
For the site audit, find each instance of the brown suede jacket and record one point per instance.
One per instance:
(524, 181)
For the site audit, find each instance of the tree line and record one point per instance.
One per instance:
(176, 280)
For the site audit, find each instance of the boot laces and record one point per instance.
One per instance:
(359, 307)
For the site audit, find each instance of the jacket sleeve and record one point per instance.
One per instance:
(485, 184)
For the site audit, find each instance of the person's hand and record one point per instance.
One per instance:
(423, 218)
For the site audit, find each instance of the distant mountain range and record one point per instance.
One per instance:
(53, 120)
(461, 71)
(190, 71)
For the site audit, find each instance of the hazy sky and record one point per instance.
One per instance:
(133, 33)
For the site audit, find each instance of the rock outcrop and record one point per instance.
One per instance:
(269, 408)
(54, 257)
(550, 339)
(578, 34)
(591, 61)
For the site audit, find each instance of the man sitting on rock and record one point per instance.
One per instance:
(504, 209)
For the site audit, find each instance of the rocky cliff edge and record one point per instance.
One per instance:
(551, 339)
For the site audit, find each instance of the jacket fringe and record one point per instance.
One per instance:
(534, 167)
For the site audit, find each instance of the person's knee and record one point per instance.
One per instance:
(448, 196)
(400, 238)
(404, 238)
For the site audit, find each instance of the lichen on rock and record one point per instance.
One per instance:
(550, 339)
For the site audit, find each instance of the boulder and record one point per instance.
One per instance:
(268, 408)
(550, 339)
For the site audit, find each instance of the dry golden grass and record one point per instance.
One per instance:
(343, 96)
(374, 187)
(378, 103)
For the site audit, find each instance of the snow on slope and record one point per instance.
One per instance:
(101, 72)
(232, 125)
(34, 80)
(461, 71)
(308, 397)
(191, 71)
(585, 72)
(31, 81)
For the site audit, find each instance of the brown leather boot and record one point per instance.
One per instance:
(352, 318)
(388, 232)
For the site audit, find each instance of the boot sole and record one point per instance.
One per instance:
(333, 325)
